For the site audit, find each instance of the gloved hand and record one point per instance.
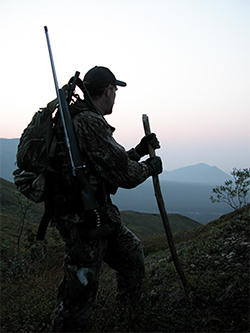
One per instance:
(154, 165)
(142, 147)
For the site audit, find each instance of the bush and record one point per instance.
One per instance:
(234, 192)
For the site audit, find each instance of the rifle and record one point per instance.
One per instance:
(88, 192)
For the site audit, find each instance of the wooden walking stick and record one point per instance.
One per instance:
(163, 212)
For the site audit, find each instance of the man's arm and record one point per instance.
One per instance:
(109, 158)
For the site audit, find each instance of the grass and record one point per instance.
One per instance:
(215, 259)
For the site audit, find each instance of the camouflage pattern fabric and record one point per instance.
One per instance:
(109, 158)
(30, 184)
(111, 162)
(121, 250)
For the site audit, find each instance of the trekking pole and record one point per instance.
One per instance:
(163, 213)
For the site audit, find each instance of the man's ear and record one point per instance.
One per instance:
(107, 91)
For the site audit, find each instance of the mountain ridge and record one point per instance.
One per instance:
(185, 190)
(142, 224)
(198, 173)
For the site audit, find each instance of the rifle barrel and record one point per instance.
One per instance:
(52, 61)
(60, 92)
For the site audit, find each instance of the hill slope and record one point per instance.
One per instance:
(141, 224)
(8, 149)
(186, 190)
(188, 199)
(199, 173)
(215, 259)
(10, 211)
(145, 225)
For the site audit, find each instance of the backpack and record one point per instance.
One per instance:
(44, 171)
(32, 156)
(36, 177)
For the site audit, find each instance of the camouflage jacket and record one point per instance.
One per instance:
(109, 159)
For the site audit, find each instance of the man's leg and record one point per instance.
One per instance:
(125, 255)
(77, 291)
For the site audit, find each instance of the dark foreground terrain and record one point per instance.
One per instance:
(215, 259)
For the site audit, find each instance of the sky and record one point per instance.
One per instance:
(185, 62)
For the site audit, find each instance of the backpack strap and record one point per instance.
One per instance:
(43, 225)
(47, 215)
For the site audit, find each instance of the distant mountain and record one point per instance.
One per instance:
(186, 190)
(8, 149)
(188, 199)
(198, 173)
(142, 224)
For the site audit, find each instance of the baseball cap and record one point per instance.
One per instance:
(100, 77)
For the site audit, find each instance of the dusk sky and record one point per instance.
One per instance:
(186, 64)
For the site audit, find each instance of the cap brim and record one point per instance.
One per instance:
(120, 83)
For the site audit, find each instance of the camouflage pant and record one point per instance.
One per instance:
(121, 250)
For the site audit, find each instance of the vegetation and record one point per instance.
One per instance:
(16, 210)
(215, 259)
(234, 192)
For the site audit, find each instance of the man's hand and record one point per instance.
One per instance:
(154, 165)
(142, 147)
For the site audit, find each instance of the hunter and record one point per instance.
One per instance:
(109, 167)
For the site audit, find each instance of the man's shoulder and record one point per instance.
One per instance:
(84, 116)
(78, 106)
(88, 119)
(80, 109)
(87, 115)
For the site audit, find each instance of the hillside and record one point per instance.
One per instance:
(215, 260)
(8, 149)
(198, 173)
(185, 190)
(144, 224)
(10, 210)
(188, 199)
(141, 223)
